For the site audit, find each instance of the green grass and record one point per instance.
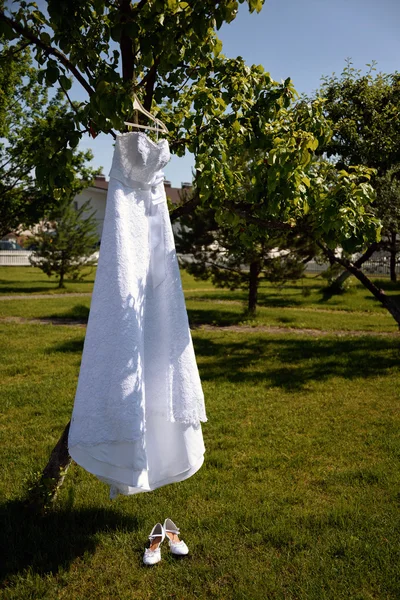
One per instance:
(300, 305)
(308, 292)
(298, 498)
(31, 280)
(216, 313)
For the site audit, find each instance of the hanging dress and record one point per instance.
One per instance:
(139, 402)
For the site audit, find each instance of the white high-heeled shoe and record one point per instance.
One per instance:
(177, 546)
(152, 554)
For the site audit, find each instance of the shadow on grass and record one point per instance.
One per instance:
(386, 284)
(15, 289)
(79, 312)
(29, 288)
(280, 301)
(292, 363)
(395, 297)
(73, 346)
(330, 291)
(46, 543)
(212, 316)
(264, 300)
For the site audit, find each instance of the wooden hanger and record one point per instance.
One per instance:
(138, 106)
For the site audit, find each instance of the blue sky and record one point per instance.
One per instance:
(301, 39)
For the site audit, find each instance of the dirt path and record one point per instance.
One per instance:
(298, 331)
(77, 295)
(235, 328)
(40, 296)
(44, 321)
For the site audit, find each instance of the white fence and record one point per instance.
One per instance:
(379, 266)
(13, 258)
(313, 267)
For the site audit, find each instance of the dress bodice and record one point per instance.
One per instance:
(137, 159)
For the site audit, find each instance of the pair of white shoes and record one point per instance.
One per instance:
(152, 554)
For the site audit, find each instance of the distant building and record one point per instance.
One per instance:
(97, 194)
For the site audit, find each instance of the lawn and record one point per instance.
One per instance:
(296, 305)
(298, 498)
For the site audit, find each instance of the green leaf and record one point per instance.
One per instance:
(217, 47)
(7, 31)
(236, 126)
(65, 82)
(52, 74)
(74, 140)
(45, 38)
(116, 32)
(255, 5)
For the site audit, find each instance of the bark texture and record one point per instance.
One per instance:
(45, 490)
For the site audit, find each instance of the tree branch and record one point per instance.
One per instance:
(367, 254)
(347, 264)
(218, 266)
(49, 50)
(125, 43)
(149, 81)
(276, 225)
(68, 98)
(186, 208)
(10, 53)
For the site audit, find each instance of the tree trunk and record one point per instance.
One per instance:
(45, 490)
(359, 262)
(389, 303)
(61, 282)
(393, 276)
(255, 268)
(127, 56)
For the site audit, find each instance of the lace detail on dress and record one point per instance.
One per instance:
(137, 158)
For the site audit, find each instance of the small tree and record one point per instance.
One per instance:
(215, 252)
(66, 242)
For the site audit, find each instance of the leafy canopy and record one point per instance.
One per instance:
(28, 119)
(365, 111)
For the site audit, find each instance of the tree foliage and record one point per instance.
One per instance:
(365, 112)
(28, 118)
(364, 109)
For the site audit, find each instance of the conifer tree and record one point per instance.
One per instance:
(66, 242)
(212, 251)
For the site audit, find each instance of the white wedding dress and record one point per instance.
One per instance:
(139, 402)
